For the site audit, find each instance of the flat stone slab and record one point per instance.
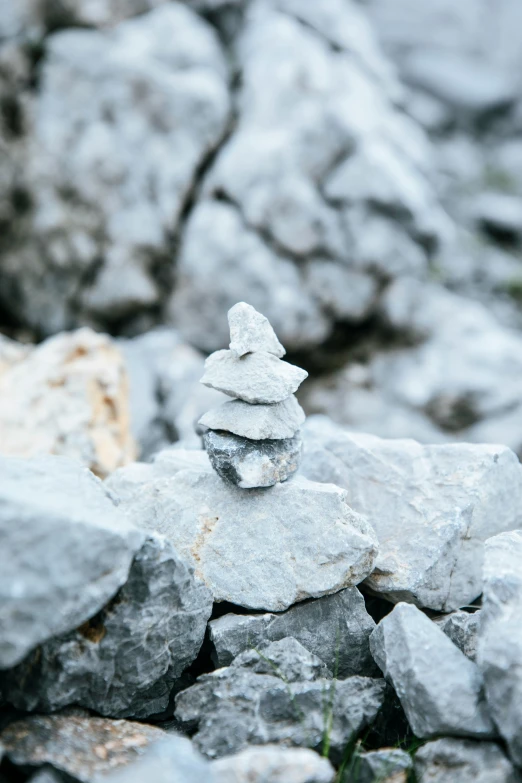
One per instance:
(256, 377)
(259, 548)
(252, 463)
(256, 422)
(250, 331)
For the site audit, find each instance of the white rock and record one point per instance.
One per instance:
(250, 331)
(273, 764)
(257, 422)
(255, 378)
(473, 762)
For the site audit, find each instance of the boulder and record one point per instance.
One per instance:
(66, 550)
(441, 691)
(256, 422)
(273, 764)
(463, 760)
(250, 332)
(260, 548)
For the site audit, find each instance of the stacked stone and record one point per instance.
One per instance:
(253, 440)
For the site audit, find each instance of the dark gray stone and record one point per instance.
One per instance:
(336, 628)
(286, 658)
(127, 659)
(464, 761)
(252, 463)
(65, 551)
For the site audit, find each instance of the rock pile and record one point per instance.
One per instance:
(254, 440)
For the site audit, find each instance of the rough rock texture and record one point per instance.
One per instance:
(115, 663)
(272, 764)
(462, 628)
(499, 650)
(465, 761)
(66, 549)
(109, 165)
(255, 378)
(85, 748)
(286, 658)
(170, 760)
(432, 507)
(441, 691)
(250, 331)
(336, 628)
(67, 396)
(256, 422)
(262, 548)
(234, 707)
(387, 765)
(252, 463)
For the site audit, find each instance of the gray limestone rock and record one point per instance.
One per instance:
(127, 659)
(260, 548)
(464, 761)
(441, 691)
(255, 378)
(386, 765)
(273, 764)
(252, 463)
(499, 649)
(432, 506)
(250, 331)
(66, 550)
(336, 628)
(170, 760)
(462, 628)
(233, 708)
(286, 658)
(256, 422)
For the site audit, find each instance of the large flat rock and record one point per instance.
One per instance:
(257, 422)
(432, 507)
(259, 548)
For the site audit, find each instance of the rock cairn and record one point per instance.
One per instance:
(253, 440)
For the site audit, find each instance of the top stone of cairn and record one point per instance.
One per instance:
(250, 332)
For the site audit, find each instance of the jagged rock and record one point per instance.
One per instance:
(463, 760)
(449, 499)
(256, 422)
(462, 629)
(387, 765)
(109, 163)
(272, 764)
(255, 378)
(85, 748)
(286, 658)
(116, 663)
(441, 692)
(252, 463)
(234, 708)
(336, 628)
(264, 548)
(66, 549)
(171, 760)
(499, 648)
(67, 396)
(250, 331)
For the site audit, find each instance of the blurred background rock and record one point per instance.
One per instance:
(351, 169)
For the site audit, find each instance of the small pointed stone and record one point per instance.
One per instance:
(250, 331)
(256, 422)
(255, 378)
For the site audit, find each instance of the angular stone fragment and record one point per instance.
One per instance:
(273, 764)
(286, 658)
(499, 649)
(256, 422)
(66, 549)
(387, 765)
(68, 396)
(234, 707)
(250, 331)
(462, 629)
(85, 748)
(336, 628)
(255, 378)
(433, 507)
(464, 761)
(264, 548)
(441, 691)
(252, 463)
(118, 663)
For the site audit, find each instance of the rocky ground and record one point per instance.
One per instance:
(353, 170)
